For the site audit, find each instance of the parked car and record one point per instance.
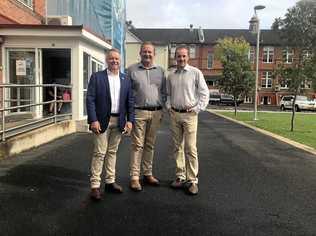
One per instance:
(227, 99)
(301, 103)
(215, 98)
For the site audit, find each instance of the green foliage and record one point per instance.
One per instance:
(298, 30)
(237, 78)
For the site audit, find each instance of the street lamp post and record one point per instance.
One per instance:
(254, 27)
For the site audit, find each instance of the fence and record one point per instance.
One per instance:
(23, 107)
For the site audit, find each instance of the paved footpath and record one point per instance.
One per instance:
(250, 184)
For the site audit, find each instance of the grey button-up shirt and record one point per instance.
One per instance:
(187, 89)
(148, 85)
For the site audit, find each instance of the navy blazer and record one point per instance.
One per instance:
(99, 100)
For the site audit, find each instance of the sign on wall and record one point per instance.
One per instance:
(21, 67)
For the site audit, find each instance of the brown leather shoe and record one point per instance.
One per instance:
(193, 189)
(150, 180)
(135, 185)
(113, 188)
(95, 194)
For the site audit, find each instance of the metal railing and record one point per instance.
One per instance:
(13, 103)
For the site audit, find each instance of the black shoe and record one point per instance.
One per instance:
(95, 194)
(113, 188)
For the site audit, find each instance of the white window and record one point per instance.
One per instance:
(90, 65)
(288, 55)
(268, 53)
(172, 51)
(252, 54)
(28, 3)
(192, 51)
(266, 79)
(209, 60)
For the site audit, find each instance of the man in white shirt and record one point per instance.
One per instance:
(110, 108)
(187, 95)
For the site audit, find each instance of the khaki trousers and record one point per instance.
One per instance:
(184, 133)
(105, 148)
(143, 138)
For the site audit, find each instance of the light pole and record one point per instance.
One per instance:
(254, 27)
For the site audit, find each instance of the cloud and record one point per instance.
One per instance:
(206, 13)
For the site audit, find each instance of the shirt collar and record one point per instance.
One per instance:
(186, 68)
(111, 73)
(140, 65)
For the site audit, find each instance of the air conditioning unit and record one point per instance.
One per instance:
(59, 20)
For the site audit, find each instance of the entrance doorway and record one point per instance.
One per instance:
(21, 70)
(56, 64)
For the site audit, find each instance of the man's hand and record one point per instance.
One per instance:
(95, 127)
(128, 127)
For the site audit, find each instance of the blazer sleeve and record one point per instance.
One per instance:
(91, 99)
(130, 102)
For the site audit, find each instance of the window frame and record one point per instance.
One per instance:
(266, 77)
(268, 55)
(288, 55)
(27, 3)
(210, 60)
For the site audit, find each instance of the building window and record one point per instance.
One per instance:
(265, 100)
(284, 84)
(307, 54)
(172, 51)
(288, 55)
(28, 3)
(209, 60)
(90, 65)
(192, 51)
(252, 54)
(268, 53)
(266, 80)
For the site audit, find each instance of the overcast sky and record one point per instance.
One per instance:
(212, 14)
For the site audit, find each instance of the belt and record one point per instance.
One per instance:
(149, 108)
(181, 110)
(115, 114)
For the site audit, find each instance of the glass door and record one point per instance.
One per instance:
(21, 70)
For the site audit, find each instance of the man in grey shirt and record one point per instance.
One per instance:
(187, 95)
(148, 85)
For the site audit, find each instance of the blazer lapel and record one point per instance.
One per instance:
(107, 86)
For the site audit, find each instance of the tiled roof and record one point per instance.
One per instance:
(176, 35)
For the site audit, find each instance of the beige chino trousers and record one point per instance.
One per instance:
(143, 138)
(104, 154)
(184, 135)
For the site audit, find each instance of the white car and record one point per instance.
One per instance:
(301, 103)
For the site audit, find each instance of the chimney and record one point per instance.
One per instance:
(191, 27)
(201, 35)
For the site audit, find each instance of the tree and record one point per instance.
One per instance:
(237, 78)
(297, 31)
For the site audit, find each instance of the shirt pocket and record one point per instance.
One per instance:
(156, 81)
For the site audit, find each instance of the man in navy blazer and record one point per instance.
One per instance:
(110, 108)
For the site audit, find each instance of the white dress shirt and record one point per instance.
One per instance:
(115, 87)
(187, 89)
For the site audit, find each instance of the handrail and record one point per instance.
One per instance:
(54, 118)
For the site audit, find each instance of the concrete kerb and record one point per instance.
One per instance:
(278, 137)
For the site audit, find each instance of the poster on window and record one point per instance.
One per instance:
(21, 67)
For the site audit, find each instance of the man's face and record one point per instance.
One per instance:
(182, 57)
(147, 54)
(113, 61)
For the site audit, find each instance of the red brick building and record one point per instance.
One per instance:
(202, 42)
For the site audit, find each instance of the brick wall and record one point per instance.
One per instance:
(19, 13)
